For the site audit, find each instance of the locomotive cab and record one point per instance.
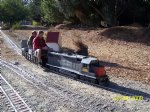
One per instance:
(92, 68)
(86, 64)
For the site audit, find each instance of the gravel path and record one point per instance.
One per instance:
(2, 105)
(82, 97)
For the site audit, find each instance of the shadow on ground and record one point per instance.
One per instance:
(84, 51)
(127, 91)
(116, 65)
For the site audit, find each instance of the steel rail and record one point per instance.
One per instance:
(8, 99)
(12, 44)
(7, 92)
(48, 88)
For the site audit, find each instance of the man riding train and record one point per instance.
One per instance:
(41, 45)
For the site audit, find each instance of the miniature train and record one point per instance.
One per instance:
(79, 66)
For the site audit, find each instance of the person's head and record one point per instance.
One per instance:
(41, 33)
(34, 33)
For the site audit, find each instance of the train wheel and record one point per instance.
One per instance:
(96, 81)
(78, 76)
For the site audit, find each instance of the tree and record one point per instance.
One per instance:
(88, 11)
(35, 10)
(137, 11)
(75, 10)
(12, 11)
(109, 10)
(51, 13)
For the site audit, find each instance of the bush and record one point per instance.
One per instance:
(34, 23)
(16, 26)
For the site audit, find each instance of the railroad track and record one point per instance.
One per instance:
(35, 77)
(13, 100)
(11, 43)
(63, 94)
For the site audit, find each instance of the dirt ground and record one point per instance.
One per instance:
(124, 51)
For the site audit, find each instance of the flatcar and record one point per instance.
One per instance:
(78, 66)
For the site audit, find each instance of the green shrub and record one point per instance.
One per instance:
(16, 26)
(34, 23)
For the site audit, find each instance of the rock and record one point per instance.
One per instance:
(16, 63)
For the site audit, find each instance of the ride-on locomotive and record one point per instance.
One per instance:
(78, 66)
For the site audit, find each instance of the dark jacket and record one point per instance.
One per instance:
(30, 40)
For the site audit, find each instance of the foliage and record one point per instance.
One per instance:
(34, 23)
(35, 10)
(75, 10)
(12, 11)
(137, 13)
(50, 9)
(92, 10)
(87, 12)
(16, 26)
